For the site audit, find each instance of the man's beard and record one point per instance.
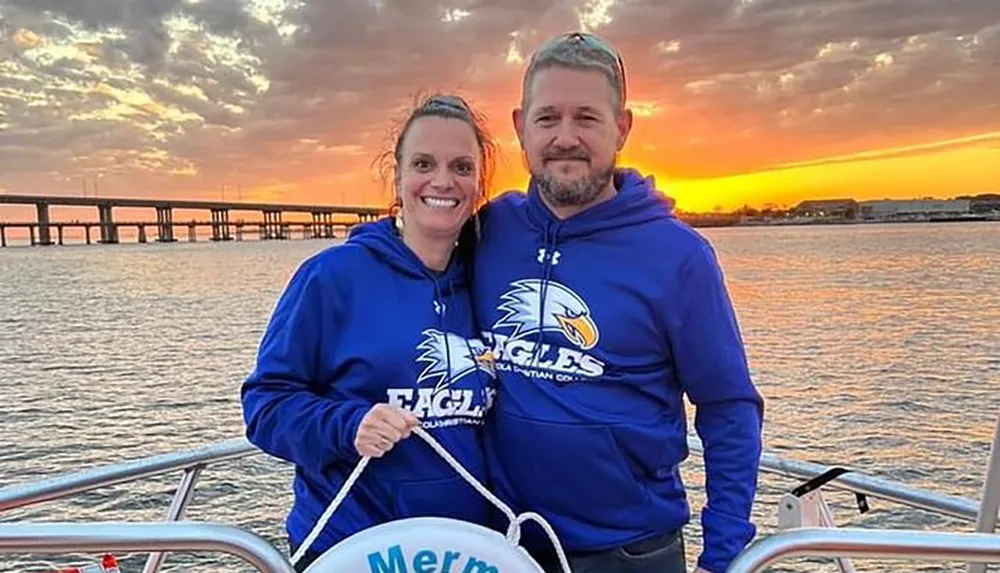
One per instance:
(582, 191)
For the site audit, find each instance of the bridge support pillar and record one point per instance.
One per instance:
(273, 229)
(220, 225)
(109, 231)
(165, 225)
(44, 230)
(322, 225)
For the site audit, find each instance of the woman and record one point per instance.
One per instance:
(376, 336)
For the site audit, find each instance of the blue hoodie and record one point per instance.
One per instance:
(589, 427)
(362, 323)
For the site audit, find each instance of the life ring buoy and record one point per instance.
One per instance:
(417, 544)
(438, 544)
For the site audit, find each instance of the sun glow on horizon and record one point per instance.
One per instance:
(941, 174)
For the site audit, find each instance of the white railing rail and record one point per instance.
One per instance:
(68, 484)
(135, 537)
(856, 482)
(978, 548)
(983, 513)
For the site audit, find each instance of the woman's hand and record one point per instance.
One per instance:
(381, 428)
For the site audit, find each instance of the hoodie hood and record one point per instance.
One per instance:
(636, 202)
(381, 238)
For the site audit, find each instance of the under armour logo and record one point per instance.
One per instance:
(438, 307)
(542, 253)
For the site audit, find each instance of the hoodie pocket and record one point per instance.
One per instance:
(443, 497)
(576, 471)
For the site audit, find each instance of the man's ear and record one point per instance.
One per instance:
(624, 127)
(517, 116)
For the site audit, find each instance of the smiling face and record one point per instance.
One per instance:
(438, 177)
(571, 133)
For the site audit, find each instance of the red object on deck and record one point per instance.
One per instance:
(109, 564)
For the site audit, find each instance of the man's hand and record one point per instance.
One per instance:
(700, 570)
(381, 428)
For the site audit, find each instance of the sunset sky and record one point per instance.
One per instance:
(737, 101)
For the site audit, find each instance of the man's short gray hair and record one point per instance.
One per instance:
(578, 51)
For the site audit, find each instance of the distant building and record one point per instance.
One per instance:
(839, 208)
(985, 203)
(914, 208)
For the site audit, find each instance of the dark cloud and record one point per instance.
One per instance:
(840, 75)
(275, 89)
(226, 18)
(142, 21)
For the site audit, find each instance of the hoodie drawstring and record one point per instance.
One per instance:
(442, 310)
(548, 258)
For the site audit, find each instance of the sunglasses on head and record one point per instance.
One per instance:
(595, 42)
(448, 102)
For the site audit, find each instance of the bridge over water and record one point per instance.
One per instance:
(270, 227)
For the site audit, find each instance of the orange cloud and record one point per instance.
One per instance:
(26, 39)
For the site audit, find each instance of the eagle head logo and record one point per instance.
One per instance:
(564, 312)
(448, 357)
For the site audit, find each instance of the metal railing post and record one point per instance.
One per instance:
(185, 491)
(867, 543)
(142, 537)
(986, 522)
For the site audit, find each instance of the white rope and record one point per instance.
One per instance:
(532, 516)
(330, 509)
(507, 511)
(513, 531)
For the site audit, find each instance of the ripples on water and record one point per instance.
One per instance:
(876, 347)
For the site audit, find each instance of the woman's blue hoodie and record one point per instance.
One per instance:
(362, 323)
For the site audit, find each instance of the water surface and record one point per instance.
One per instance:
(876, 347)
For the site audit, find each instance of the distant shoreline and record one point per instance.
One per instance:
(708, 221)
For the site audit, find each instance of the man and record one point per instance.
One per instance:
(603, 310)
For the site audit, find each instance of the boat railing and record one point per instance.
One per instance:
(136, 536)
(983, 513)
(978, 548)
(191, 463)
